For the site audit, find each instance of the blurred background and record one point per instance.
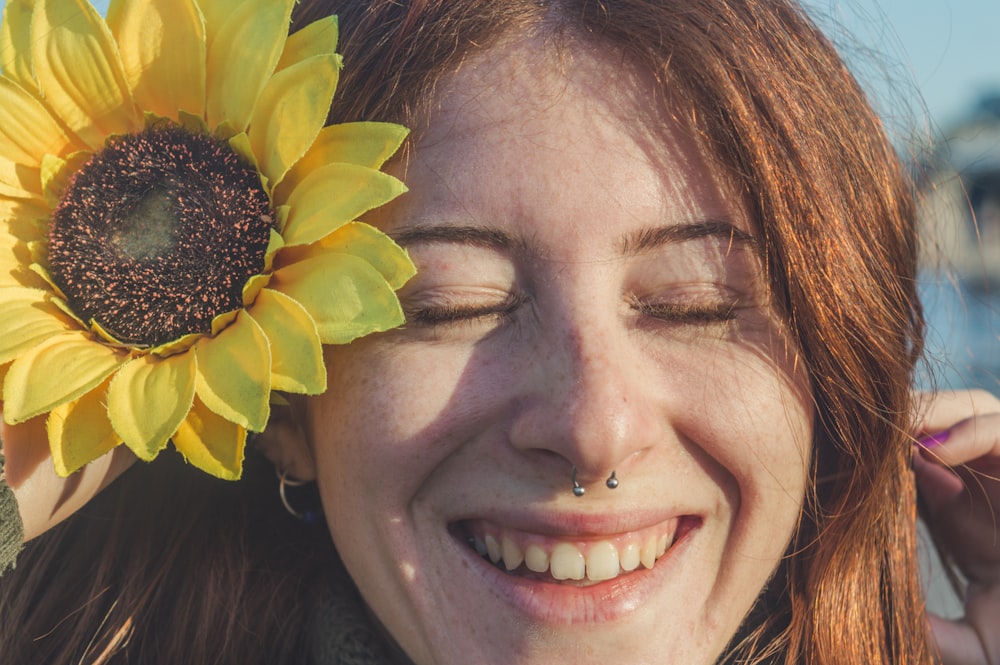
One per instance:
(932, 69)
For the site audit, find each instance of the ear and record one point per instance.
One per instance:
(285, 443)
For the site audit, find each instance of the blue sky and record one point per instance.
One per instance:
(945, 49)
(907, 50)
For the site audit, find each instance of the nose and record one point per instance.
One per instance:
(589, 400)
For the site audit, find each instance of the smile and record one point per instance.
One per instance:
(572, 560)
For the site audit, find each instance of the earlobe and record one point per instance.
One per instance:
(285, 443)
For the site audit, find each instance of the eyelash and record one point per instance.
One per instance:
(498, 313)
(696, 314)
(501, 313)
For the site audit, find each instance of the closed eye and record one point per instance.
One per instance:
(494, 313)
(688, 313)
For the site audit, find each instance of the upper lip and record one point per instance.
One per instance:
(576, 524)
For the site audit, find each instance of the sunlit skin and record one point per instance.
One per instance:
(586, 296)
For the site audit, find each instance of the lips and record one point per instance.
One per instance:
(572, 560)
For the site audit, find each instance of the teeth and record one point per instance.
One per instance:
(598, 561)
(629, 557)
(647, 554)
(602, 562)
(536, 559)
(512, 555)
(493, 548)
(567, 563)
(661, 545)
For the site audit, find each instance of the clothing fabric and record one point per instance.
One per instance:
(342, 632)
(11, 528)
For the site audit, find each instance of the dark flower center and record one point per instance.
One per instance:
(158, 233)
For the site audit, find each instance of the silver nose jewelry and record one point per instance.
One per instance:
(580, 490)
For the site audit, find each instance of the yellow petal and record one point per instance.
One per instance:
(211, 443)
(58, 172)
(79, 71)
(275, 243)
(50, 285)
(28, 320)
(334, 195)
(318, 38)
(234, 373)
(291, 111)
(221, 321)
(163, 51)
(11, 191)
(15, 42)
(182, 343)
(216, 13)
(296, 352)
(366, 242)
(240, 143)
(242, 57)
(27, 133)
(148, 398)
(363, 143)
(27, 130)
(80, 432)
(15, 260)
(26, 220)
(24, 182)
(345, 295)
(58, 370)
(253, 287)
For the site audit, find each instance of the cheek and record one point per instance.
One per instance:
(749, 418)
(389, 417)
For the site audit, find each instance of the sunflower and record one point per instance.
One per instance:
(179, 229)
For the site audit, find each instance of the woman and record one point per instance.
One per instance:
(651, 400)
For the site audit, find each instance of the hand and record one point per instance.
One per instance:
(44, 498)
(958, 476)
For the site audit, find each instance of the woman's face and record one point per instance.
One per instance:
(586, 297)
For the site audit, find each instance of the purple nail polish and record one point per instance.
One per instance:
(933, 440)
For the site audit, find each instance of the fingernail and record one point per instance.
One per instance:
(932, 440)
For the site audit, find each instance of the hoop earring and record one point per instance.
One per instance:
(309, 516)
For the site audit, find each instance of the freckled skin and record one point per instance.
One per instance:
(158, 233)
(558, 319)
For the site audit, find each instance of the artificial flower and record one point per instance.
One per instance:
(179, 230)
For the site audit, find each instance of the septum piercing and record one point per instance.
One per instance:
(580, 490)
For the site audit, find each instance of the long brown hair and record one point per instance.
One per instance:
(777, 112)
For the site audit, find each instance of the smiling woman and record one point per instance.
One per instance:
(571, 298)
(651, 399)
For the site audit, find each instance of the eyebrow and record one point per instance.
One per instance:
(633, 243)
(477, 236)
(651, 238)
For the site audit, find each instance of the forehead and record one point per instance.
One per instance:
(543, 132)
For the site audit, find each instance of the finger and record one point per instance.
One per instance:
(940, 410)
(957, 642)
(937, 484)
(25, 448)
(44, 499)
(974, 438)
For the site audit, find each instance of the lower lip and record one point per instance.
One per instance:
(564, 604)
